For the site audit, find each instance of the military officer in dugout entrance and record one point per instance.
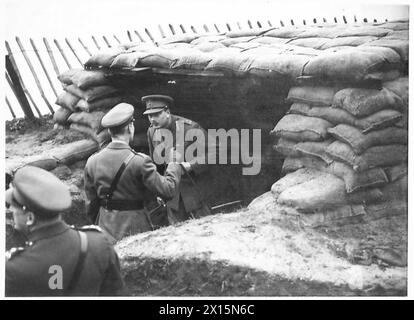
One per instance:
(191, 199)
(57, 259)
(122, 185)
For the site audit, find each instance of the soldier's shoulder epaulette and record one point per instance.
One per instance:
(14, 252)
(89, 228)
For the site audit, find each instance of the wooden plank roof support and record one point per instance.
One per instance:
(10, 108)
(96, 43)
(172, 28)
(161, 31)
(85, 47)
(116, 38)
(62, 53)
(39, 86)
(107, 42)
(73, 51)
(139, 36)
(129, 36)
(43, 67)
(51, 56)
(19, 93)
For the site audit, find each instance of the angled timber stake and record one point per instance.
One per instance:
(324, 20)
(18, 92)
(336, 21)
(116, 38)
(96, 43)
(250, 24)
(344, 19)
(365, 20)
(10, 108)
(205, 28)
(172, 28)
(73, 51)
(161, 31)
(217, 29)
(375, 20)
(291, 22)
(43, 67)
(238, 25)
(85, 47)
(149, 35)
(314, 20)
(62, 53)
(129, 36)
(193, 29)
(228, 27)
(269, 23)
(39, 86)
(355, 18)
(182, 28)
(281, 23)
(304, 22)
(51, 56)
(259, 24)
(139, 36)
(107, 42)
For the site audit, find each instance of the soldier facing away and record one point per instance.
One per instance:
(191, 200)
(122, 185)
(57, 259)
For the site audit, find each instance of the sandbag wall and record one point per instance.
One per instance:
(345, 149)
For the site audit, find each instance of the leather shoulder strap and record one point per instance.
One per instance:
(79, 266)
(121, 169)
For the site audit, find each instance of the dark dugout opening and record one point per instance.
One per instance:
(219, 102)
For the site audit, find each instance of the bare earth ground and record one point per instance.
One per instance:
(252, 252)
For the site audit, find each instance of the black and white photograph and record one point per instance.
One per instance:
(206, 149)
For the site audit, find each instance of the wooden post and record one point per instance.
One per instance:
(73, 51)
(217, 29)
(85, 47)
(43, 67)
(139, 36)
(17, 78)
(161, 31)
(51, 56)
(304, 22)
(259, 24)
(62, 53)
(250, 24)
(228, 27)
(347, 21)
(205, 28)
(292, 22)
(129, 36)
(19, 93)
(193, 29)
(336, 21)
(107, 42)
(172, 28)
(281, 23)
(10, 108)
(116, 38)
(269, 23)
(182, 28)
(149, 35)
(39, 86)
(96, 43)
(324, 20)
(315, 21)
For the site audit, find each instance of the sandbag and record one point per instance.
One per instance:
(315, 96)
(61, 115)
(158, 58)
(270, 40)
(315, 43)
(377, 120)
(93, 93)
(360, 141)
(399, 87)
(104, 58)
(286, 147)
(398, 35)
(208, 46)
(127, 60)
(396, 190)
(386, 209)
(91, 120)
(247, 32)
(361, 31)
(186, 38)
(85, 79)
(301, 128)
(79, 150)
(396, 172)
(66, 77)
(363, 102)
(353, 180)
(46, 164)
(347, 41)
(395, 25)
(229, 62)
(322, 32)
(192, 60)
(287, 32)
(214, 38)
(105, 103)
(67, 100)
(378, 156)
(88, 131)
(292, 179)
(229, 41)
(179, 46)
(282, 64)
(315, 149)
(353, 64)
(400, 46)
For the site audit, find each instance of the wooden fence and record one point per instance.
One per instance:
(32, 68)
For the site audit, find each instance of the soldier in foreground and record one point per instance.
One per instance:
(190, 201)
(122, 185)
(57, 259)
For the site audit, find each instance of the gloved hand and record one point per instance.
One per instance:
(186, 166)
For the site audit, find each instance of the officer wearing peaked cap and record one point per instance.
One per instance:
(122, 186)
(57, 260)
(191, 200)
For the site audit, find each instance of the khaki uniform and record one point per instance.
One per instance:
(190, 200)
(29, 273)
(140, 182)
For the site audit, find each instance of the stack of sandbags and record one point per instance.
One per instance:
(87, 95)
(345, 149)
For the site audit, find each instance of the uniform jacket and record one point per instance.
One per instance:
(192, 196)
(28, 270)
(140, 180)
